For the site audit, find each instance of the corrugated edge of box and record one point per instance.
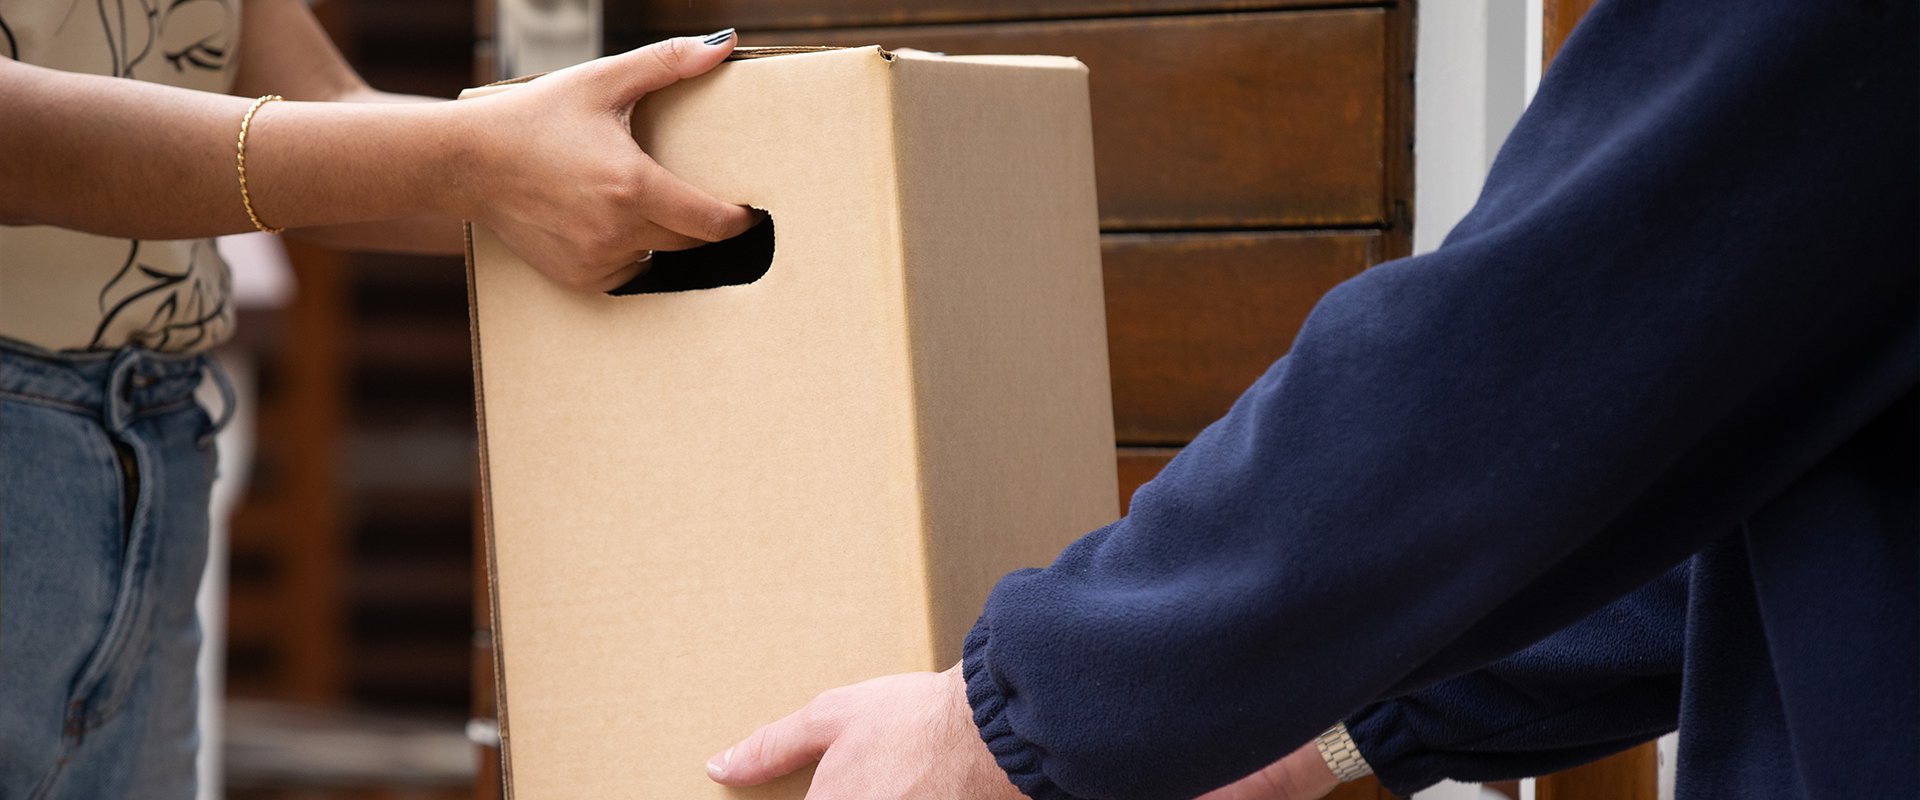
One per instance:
(486, 520)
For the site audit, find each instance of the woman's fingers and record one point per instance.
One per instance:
(621, 276)
(569, 190)
(667, 200)
(589, 259)
(682, 208)
(651, 236)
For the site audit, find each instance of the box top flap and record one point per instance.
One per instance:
(745, 53)
(754, 53)
(1028, 61)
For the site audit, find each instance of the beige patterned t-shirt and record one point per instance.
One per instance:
(66, 290)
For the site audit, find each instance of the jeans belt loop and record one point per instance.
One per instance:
(116, 412)
(228, 399)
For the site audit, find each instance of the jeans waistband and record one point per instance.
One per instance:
(116, 385)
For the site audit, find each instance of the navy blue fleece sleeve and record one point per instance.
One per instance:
(1689, 278)
(1598, 686)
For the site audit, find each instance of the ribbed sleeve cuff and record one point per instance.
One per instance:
(1019, 757)
(1399, 759)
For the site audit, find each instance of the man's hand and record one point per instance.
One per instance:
(1301, 775)
(912, 736)
(902, 736)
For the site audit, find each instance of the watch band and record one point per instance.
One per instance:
(1342, 756)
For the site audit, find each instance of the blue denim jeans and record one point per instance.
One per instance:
(105, 465)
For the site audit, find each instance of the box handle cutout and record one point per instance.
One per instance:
(737, 261)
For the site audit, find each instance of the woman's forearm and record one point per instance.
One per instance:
(284, 51)
(140, 160)
(426, 234)
(550, 166)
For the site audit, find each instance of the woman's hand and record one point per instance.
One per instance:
(551, 166)
(557, 175)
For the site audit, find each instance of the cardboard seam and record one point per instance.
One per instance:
(748, 53)
(930, 622)
(486, 522)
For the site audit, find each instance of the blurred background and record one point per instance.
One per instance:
(350, 606)
(1250, 155)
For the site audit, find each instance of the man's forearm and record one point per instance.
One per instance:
(1591, 689)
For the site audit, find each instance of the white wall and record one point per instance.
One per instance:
(535, 36)
(1470, 85)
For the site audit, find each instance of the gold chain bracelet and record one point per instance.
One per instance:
(246, 198)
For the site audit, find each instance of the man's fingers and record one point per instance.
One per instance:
(773, 751)
(1301, 775)
(658, 65)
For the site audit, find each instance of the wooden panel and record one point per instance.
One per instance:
(253, 615)
(1194, 319)
(646, 20)
(1557, 20)
(409, 344)
(1631, 775)
(312, 615)
(1398, 160)
(1137, 466)
(1222, 121)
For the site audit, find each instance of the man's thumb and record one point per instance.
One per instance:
(770, 752)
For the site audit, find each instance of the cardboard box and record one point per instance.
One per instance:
(705, 507)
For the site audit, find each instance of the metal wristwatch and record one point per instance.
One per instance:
(1336, 746)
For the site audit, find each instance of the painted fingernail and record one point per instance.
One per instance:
(718, 38)
(718, 766)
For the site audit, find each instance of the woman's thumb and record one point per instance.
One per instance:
(659, 65)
